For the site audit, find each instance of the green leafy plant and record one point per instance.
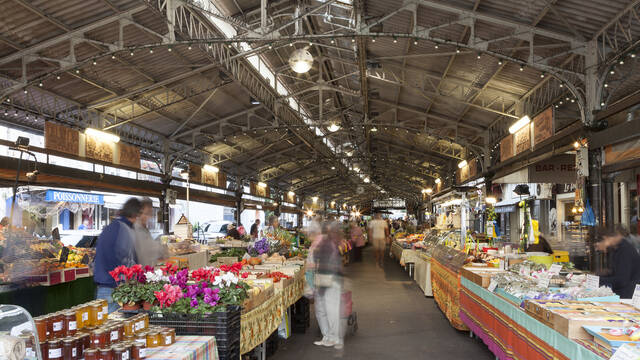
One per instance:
(126, 293)
(232, 252)
(146, 292)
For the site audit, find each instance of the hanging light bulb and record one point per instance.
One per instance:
(301, 61)
(333, 127)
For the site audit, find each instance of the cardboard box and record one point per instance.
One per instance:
(227, 260)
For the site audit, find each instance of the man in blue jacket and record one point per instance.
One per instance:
(115, 247)
(624, 262)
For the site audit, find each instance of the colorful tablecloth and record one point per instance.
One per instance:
(258, 324)
(186, 348)
(510, 333)
(445, 285)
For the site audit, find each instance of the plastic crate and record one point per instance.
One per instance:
(225, 326)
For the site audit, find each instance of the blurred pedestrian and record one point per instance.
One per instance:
(115, 247)
(357, 241)
(327, 282)
(378, 234)
(148, 250)
(624, 261)
(255, 229)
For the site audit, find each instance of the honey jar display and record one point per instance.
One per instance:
(98, 339)
(57, 325)
(168, 337)
(90, 354)
(95, 314)
(129, 327)
(29, 345)
(41, 327)
(120, 353)
(105, 354)
(44, 350)
(69, 349)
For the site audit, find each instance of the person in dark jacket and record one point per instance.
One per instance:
(624, 262)
(116, 246)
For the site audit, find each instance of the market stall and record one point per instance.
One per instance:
(445, 282)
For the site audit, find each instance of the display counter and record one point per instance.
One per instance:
(510, 333)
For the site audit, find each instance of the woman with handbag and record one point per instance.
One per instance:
(327, 284)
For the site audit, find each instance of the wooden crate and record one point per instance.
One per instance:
(68, 275)
(571, 327)
(481, 277)
(255, 301)
(538, 311)
(227, 260)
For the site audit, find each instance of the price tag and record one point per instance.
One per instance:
(635, 300)
(114, 335)
(555, 269)
(85, 316)
(593, 282)
(626, 352)
(73, 325)
(544, 280)
(492, 286)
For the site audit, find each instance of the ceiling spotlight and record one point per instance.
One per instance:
(436, 46)
(374, 129)
(333, 168)
(542, 75)
(94, 62)
(521, 67)
(573, 100)
(602, 103)
(113, 57)
(270, 46)
(395, 40)
(633, 55)
(438, 181)
(253, 101)
(500, 62)
(77, 71)
(169, 49)
(353, 40)
(524, 121)
(40, 84)
(606, 85)
(367, 180)
(333, 41)
(333, 127)
(561, 85)
(612, 72)
(301, 61)
(561, 102)
(462, 164)
(189, 47)
(57, 77)
(415, 42)
(150, 51)
(25, 91)
(567, 98)
(457, 50)
(6, 113)
(290, 44)
(479, 56)
(373, 39)
(131, 53)
(621, 62)
(209, 46)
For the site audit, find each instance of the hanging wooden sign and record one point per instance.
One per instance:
(61, 138)
(543, 126)
(129, 155)
(98, 149)
(506, 148)
(257, 190)
(522, 139)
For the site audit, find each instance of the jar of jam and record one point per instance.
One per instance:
(69, 350)
(153, 339)
(105, 308)
(145, 319)
(85, 340)
(41, 327)
(119, 353)
(98, 339)
(168, 337)
(138, 351)
(90, 354)
(105, 354)
(70, 323)
(29, 345)
(79, 347)
(128, 346)
(55, 349)
(114, 334)
(57, 326)
(129, 329)
(44, 350)
(120, 326)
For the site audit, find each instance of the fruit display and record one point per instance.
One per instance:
(76, 257)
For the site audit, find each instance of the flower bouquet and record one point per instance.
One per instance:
(127, 291)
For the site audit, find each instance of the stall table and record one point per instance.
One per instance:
(423, 273)
(445, 285)
(510, 333)
(186, 348)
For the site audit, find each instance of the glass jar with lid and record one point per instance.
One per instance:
(120, 353)
(105, 308)
(114, 334)
(57, 325)
(44, 350)
(138, 351)
(54, 350)
(79, 346)
(90, 354)
(105, 354)
(98, 339)
(85, 340)
(29, 345)
(69, 349)
(153, 339)
(96, 316)
(83, 311)
(168, 337)
(141, 338)
(129, 327)
(41, 327)
(70, 323)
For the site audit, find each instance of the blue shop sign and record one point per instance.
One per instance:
(74, 197)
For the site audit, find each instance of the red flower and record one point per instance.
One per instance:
(245, 275)
(169, 269)
(201, 274)
(115, 273)
(225, 267)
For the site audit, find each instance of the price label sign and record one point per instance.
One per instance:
(492, 286)
(544, 280)
(593, 282)
(555, 269)
(626, 352)
(635, 300)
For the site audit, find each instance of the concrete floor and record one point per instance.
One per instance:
(396, 321)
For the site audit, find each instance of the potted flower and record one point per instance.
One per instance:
(127, 291)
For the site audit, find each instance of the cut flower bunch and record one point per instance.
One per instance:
(202, 291)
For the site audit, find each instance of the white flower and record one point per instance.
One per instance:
(226, 279)
(156, 276)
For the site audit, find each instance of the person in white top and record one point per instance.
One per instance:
(378, 233)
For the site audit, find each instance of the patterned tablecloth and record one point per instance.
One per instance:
(186, 348)
(445, 285)
(405, 256)
(510, 333)
(258, 324)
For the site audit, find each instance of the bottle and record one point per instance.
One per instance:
(41, 327)
(55, 350)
